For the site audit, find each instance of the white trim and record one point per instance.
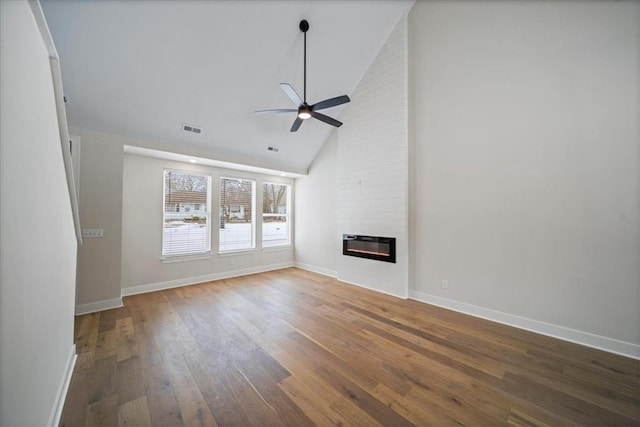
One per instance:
(584, 338)
(320, 270)
(152, 287)
(58, 91)
(277, 248)
(75, 143)
(232, 252)
(168, 259)
(92, 307)
(41, 21)
(58, 94)
(372, 289)
(61, 396)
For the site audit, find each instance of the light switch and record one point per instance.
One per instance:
(92, 233)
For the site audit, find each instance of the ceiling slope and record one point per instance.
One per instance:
(143, 68)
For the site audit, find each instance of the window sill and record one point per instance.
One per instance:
(277, 248)
(237, 252)
(181, 258)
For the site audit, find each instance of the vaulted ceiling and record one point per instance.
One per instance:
(143, 68)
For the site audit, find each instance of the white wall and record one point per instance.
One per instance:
(142, 268)
(99, 260)
(526, 139)
(373, 167)
(38, 245)
(317, 243)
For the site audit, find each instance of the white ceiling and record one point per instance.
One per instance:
(142, 68)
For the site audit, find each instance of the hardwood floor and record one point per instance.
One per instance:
(295, 348)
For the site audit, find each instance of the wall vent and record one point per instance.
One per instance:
(191, 128)
(274, 149)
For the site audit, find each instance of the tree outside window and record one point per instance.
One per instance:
(276, 199)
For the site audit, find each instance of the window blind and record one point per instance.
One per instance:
(275, 214)
(186, 213)
(237, 218)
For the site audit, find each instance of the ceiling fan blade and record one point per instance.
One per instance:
(331, 102)
(296, 124)
(326, 119)
(291, 93)
(277, 110)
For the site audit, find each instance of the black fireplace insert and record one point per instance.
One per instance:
(371, 247)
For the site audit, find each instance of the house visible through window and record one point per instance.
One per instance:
(186, 216)
(276, 227)
(237, 218)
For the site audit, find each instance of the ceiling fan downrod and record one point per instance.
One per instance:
(304, 27)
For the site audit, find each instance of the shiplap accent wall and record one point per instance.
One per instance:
(373, 167)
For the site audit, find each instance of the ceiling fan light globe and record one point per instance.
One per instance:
(304, 115)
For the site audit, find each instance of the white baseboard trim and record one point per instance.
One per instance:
(92, 307)
(360, 285)
(314, 269)
(61, 396)
(584, 338)
(152, 287)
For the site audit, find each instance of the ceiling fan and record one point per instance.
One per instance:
(304, 110)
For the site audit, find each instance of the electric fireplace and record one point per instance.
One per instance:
(371, 247)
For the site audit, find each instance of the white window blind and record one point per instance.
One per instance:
(186, 214)
(276, 201)
(237, 217)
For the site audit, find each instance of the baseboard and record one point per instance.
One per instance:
(334, 275)
(152, 287)
(314, 269)
(92, 307)
(360, 285)
(56, 411)
(543, 328)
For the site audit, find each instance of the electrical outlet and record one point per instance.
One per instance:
(92, 233)
(445, 284)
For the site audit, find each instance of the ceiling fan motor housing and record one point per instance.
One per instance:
(304, 112)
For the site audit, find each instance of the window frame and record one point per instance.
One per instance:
(287, 215)
(253, 222)
(189, 255)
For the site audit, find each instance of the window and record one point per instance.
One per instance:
(276, 228)
(186, 215)
(237, 219)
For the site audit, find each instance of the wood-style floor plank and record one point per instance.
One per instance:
(103, 412)
(291, 347)
(193, 407)
(135, 413)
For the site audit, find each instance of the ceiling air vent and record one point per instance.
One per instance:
(274, 149)
(191, 128)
